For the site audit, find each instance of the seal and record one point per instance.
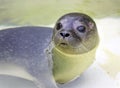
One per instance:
(72, 44)
(75, 38)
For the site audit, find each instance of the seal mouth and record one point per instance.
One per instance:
(65, 44)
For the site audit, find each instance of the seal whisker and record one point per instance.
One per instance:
(85, 48)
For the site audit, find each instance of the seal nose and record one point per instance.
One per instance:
(64, 34)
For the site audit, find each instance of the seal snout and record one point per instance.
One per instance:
(64, 34)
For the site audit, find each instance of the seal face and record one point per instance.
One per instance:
(73, 32)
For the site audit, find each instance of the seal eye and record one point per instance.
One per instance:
(58, 26)
(81, 29)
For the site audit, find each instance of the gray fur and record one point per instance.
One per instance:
(25, 47)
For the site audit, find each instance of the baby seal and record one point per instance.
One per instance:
(74, 42)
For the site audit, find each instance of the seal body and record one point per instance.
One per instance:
(68, 67)
(26, 47)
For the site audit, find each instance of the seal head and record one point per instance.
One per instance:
(75, 33)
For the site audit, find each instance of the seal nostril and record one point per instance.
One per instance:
(67, 34)
(64, 34)
(61, 34)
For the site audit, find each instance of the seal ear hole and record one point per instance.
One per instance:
(58, 26)
(81, 29)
